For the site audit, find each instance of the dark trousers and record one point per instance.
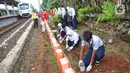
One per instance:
(35, 23)
(63, 33)
(98, 56)
(65, 20)
(70, 43)
(74, 23)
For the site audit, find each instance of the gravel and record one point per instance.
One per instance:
(4, 50)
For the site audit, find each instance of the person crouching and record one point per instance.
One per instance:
(92, 50)
(72, 39)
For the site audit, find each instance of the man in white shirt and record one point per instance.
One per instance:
(72, 39)
(64, 16)
(92, 49)
(72, 13)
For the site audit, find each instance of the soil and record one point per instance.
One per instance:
(116, 59)
(111, 63)
(37, 57)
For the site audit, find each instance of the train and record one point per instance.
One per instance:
(25, 9)
(12, 10)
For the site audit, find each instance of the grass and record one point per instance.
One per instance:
(52, 58)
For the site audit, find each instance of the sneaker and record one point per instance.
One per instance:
(97, 63)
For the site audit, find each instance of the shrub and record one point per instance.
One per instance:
(108, 13)
(57, 19)
(83, 11)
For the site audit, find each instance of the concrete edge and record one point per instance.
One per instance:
(7, 64)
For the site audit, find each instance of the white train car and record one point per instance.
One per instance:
(25, 9)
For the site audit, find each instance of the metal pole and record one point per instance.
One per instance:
(6, 8)
(13, 9)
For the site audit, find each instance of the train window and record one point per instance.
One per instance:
(24, 6)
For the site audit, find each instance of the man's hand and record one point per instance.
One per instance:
(60, 41)
(70, 48)
(89, 68)
(67, 46)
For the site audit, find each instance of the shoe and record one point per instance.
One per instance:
(97, 63)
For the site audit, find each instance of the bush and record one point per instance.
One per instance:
(83, 11)
(57, 19)
(108, 13)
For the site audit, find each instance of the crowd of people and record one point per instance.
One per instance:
(92, 48)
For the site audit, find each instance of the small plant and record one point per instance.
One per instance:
(83, 11)
(108, 13)
(56, 19)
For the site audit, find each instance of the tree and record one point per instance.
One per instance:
(44, 4)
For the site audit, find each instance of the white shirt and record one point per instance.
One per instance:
(69, 11)
(67, 28)
(63, 12)
(73, 12)
(59, 11)
(60, 27)
(74, 36)
(96, 42)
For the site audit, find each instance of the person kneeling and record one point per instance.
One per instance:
(92, 49)
(72, 39)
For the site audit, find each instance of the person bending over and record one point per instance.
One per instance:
(72, 39)
(92, 50)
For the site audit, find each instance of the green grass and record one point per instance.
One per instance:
(52, 58)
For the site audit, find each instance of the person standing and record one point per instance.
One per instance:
(44, 17)
(92, 50)
(72, 13)
(64, 16)
(35, 18)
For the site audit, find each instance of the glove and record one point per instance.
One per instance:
(81, 66)
(70, 48)
(60, 41)
(67, 46)
(89, 68)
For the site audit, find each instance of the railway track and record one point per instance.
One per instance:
(10, 35)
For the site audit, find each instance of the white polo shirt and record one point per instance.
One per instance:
(74, 36)
(67, 28)
(69, 11)
(73, 12)
(96, 42)
(63, 12)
